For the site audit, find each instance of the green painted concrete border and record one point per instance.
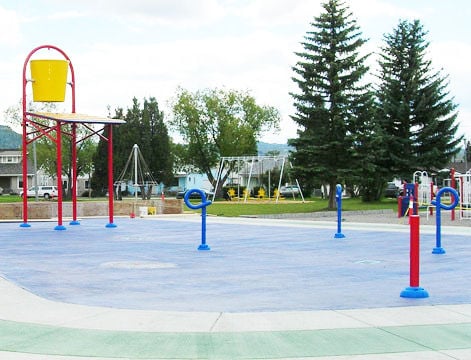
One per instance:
(52, 340)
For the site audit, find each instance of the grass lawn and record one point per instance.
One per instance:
(254, 207)
(258, 207)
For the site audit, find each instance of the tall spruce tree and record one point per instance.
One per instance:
(333, 98)
(415, 110)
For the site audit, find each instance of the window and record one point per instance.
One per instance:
(10, 159)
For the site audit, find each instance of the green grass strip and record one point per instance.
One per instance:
(51, 340)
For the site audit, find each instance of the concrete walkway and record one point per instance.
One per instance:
(374, 323)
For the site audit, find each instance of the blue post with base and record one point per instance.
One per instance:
(338, 197)
(204, 203)
(438, 204)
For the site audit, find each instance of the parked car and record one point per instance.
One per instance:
(46, 192)
(391, 191)
(289, 190)
(181, 194)
(172, 191)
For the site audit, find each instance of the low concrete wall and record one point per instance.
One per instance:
(48, 209)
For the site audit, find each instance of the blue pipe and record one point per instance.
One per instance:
(204, 203)
(438, 204)
(338, 197)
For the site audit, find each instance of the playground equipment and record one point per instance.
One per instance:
(437, 202)
(204, 203)
(414, 290)
(49, 80)
(338, 198)
(424, 186)
(406, 204)
(254, 166)
(464, 186)
(139, 174)
(416, 195)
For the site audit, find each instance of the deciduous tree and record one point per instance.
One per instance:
(215, 123)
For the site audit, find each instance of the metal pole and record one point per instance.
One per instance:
(338, 196)
(279, 181)
(35, 164)
(414, 290)
(136, 184)
(59, 176)
(414, 250)
(73, 186)
(110, 177)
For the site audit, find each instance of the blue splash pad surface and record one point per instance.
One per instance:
(155, 264)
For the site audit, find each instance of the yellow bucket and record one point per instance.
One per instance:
(49, 79)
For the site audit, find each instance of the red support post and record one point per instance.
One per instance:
(414, 221)
(432, 196)
(453, 185)
(414, 290)
(415, 199)
(25, 147)
(59, 176)
(410, 210)
(110, 176)
(25, 176)
(399, 206)
(73, 186)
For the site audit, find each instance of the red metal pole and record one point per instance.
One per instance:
(110, 173)
(399, 206)
(453, 185)
(414, 221)
(59, 175)
(432, 196)
(415, 199)
(25, 166)
(460, 202)
(25, 145)
(74, 173)
(414, 291)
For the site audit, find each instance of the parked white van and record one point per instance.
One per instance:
(46, 192)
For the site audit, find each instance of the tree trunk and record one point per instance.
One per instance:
(332, 191)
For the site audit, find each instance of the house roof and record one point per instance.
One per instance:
(15, 169)
(9, 152)
(459, 166)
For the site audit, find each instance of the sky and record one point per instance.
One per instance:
(121, 49)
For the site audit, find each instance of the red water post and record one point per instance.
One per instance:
(110, 176)
(432, 196)
(416, 199)
(414, 290)
(453, 185)
(399, 206)
(414, 221)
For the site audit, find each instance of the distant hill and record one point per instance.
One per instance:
(264, 148)
(9, 140)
